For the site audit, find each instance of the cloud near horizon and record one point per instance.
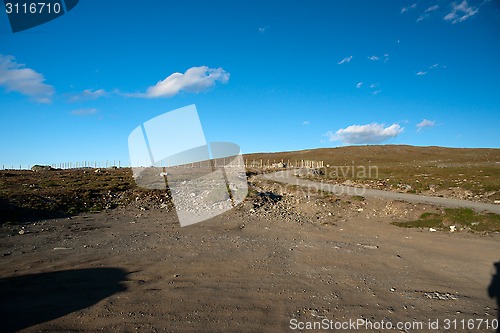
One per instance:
(84, 112)
(194, 80)
(88, 94)
(16, 77)
(365, 134)
(425, 123)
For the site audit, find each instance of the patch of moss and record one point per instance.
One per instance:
(460, 217)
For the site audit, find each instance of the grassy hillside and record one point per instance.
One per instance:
(467, 173)
(386, 154)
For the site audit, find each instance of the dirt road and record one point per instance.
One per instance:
(287, 177)
(268, 265)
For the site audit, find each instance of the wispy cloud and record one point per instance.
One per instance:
(306, 123)
(345, 60)
(16, 77)
(427, 13)
(432, 67)
(432, 8)
(359, 84)
(377, 58)
(405, 9)
(425, 123)
(423, 17)
(84, 112)
(194, 80)
(460, 12)
(374, 86)
(362, 134)
(263, 30)
(88, 94)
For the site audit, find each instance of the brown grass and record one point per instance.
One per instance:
(27, 195)
(422, 168)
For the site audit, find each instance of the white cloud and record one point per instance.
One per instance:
(369, 133)
(432, 8)
(434, 66)
(194, 80)
(427, 13)
(376, 92)
(374, 85)
(460, 12)
(16, 77)
(405, 9)
(88, 94)
(84, 112)
(348, 59)
(423, 17)
(263, 29)
(305, 123)
(425, 123)
(359, 84)
(374, 58)
(421, 73)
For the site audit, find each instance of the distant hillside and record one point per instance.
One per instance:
(382, 154)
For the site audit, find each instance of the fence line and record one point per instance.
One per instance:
(254, 163)
(309, 164)
(68, 165)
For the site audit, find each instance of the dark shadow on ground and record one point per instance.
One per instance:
(494, 290)
(17, 214)
(36, 298)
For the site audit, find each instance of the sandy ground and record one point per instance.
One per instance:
(262, 267)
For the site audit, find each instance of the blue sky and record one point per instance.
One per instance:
(267, 75)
